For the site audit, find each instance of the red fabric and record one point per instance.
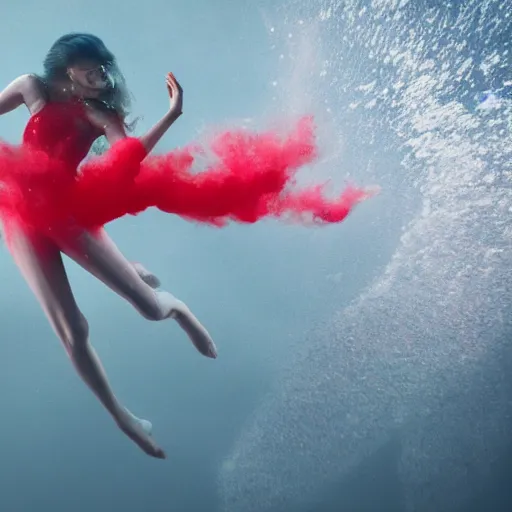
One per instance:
(252, 177)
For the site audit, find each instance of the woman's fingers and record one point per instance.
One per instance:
(171, 79)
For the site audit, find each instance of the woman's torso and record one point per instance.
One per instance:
(62, 130)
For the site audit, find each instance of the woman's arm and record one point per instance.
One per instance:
(25, 90)
(114, 129)
(175, 110)
(153, 136)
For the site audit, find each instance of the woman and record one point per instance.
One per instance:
(48, 208)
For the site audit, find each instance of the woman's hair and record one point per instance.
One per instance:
(72, 48)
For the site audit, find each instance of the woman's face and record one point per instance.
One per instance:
(90, 78)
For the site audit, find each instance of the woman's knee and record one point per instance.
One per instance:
(77, 332)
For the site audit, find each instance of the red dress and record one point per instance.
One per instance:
(46, 184)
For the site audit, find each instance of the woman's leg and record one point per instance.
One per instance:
(40, 262)
(98, 254)
(148, 277)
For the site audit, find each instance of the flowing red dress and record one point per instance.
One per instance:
(45, 183)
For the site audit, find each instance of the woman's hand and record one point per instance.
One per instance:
(150, 139)
(175, 94)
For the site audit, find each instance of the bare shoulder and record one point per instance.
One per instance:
(28, 84)
(29, 80)
(33, 91)
(26, 89)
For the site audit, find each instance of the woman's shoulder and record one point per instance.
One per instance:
(33, 90)
(31, 81)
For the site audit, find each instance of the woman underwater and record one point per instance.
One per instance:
(49, 207)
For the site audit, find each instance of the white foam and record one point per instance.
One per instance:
(427, 327)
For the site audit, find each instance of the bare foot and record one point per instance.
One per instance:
(139, 431)
(198, 335)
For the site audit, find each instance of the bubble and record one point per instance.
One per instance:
(420, 351)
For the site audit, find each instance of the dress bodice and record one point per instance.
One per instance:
(63, 131)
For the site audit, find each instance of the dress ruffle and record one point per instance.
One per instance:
(251, 177)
